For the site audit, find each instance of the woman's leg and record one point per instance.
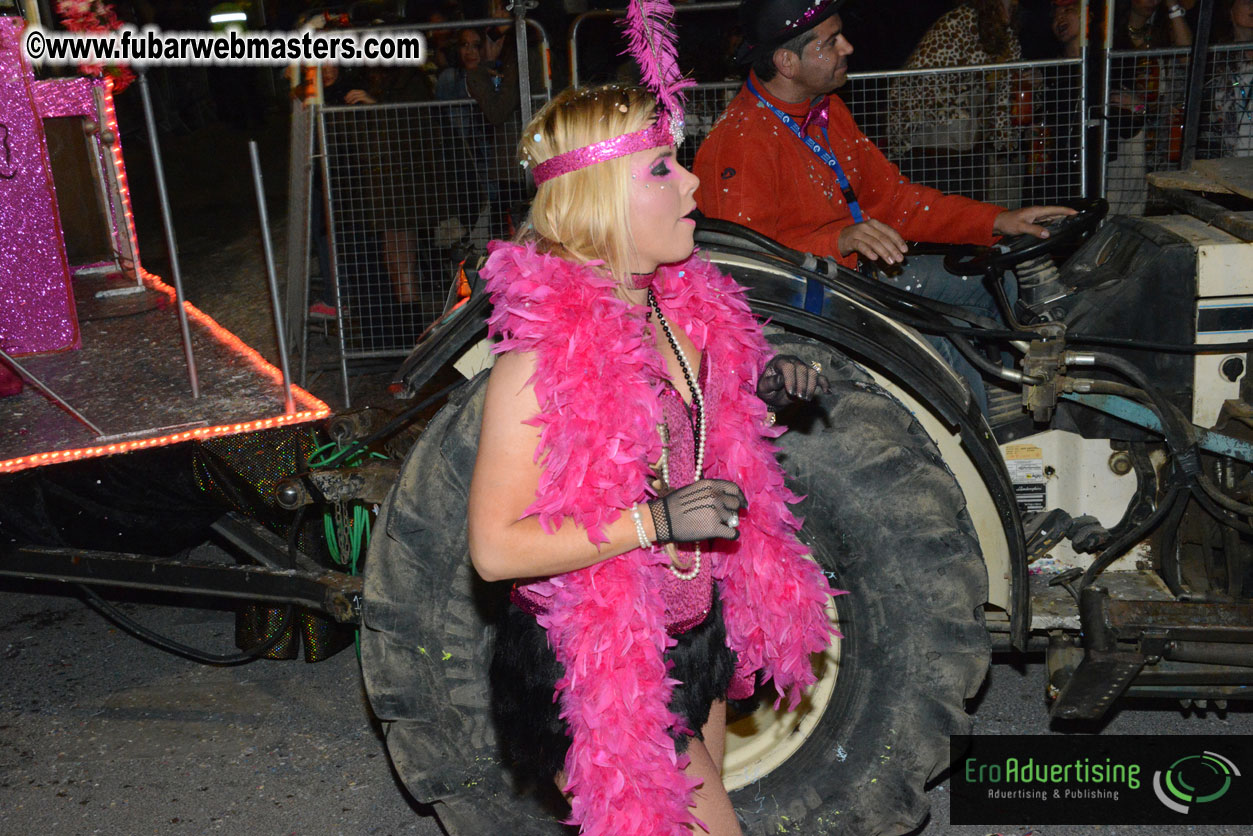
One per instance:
(711, 804)
(712, 807)
(398, 251)
(715, 732)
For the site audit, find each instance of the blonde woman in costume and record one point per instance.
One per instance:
(626, 486)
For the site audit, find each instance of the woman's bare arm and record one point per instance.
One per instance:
(503, 543)
(1180, 31)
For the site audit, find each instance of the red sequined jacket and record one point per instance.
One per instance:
(756, 172)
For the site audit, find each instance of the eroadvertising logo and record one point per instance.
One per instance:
(1095, 779)
(1211, 771)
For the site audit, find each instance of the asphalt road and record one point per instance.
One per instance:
(103, 734)
(100, 733)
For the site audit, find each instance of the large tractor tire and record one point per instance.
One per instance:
(884, 517)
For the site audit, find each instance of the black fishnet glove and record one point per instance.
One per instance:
(700, 511)
(787, 378)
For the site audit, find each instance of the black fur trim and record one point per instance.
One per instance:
(524, 672)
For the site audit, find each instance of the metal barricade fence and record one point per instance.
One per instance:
(1144, 101)
(703, 30)
(1227, 121)
(410, 189)
(1014, 135)
(1010, 134)
(1145, 97)
(704, 104)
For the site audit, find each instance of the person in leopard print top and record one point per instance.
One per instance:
(948, 123)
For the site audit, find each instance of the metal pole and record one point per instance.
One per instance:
(1195, 102)
(519, 8)
(546, 56)
(114, 199)
(170, 243)
(118, 218)
(47, 390)
(618, 14)
(320, 121)
(1103, 151)
(288, 404)
(572, 48)
(1083, 98)
(299, 184)
(305, 185)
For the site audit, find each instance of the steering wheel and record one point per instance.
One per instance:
(1020, 248)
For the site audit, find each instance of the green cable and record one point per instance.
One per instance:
(358, 526)
(317, 458)
(332, 542)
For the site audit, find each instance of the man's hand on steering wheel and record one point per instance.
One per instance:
(1026, 241)
(873, 240)
(1026, 221)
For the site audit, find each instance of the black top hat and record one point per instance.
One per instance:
(769, 23)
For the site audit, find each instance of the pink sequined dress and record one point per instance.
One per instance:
(687, 601)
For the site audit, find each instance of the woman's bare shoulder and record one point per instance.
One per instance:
(513, 370)
(510, 388)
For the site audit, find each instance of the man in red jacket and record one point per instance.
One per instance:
(787, 159)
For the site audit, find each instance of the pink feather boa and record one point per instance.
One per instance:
(597, 382)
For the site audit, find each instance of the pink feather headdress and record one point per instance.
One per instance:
(651, 42)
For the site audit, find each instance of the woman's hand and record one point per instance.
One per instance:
(704, 510)
(1180, 31)
(359, 97)
(492, 47)
(787, 378)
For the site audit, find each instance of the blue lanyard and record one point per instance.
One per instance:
(828, 158)
(813, 290)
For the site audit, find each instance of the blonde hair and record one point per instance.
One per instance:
(584, 215)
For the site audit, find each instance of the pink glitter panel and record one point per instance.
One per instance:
(66, 97)
(36, 299)
(654, 136)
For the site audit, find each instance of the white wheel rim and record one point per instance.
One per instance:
(761, 742)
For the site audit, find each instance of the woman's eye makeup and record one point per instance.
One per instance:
(661, 168)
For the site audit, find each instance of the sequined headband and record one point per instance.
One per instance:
(656, 135)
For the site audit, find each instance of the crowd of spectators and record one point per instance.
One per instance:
(1010, 136)
(445, 178)
(1232, 82)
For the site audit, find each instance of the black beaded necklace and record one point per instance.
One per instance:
(698, 429)
(698, 423)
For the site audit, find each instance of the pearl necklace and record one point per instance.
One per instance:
(698, 400)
